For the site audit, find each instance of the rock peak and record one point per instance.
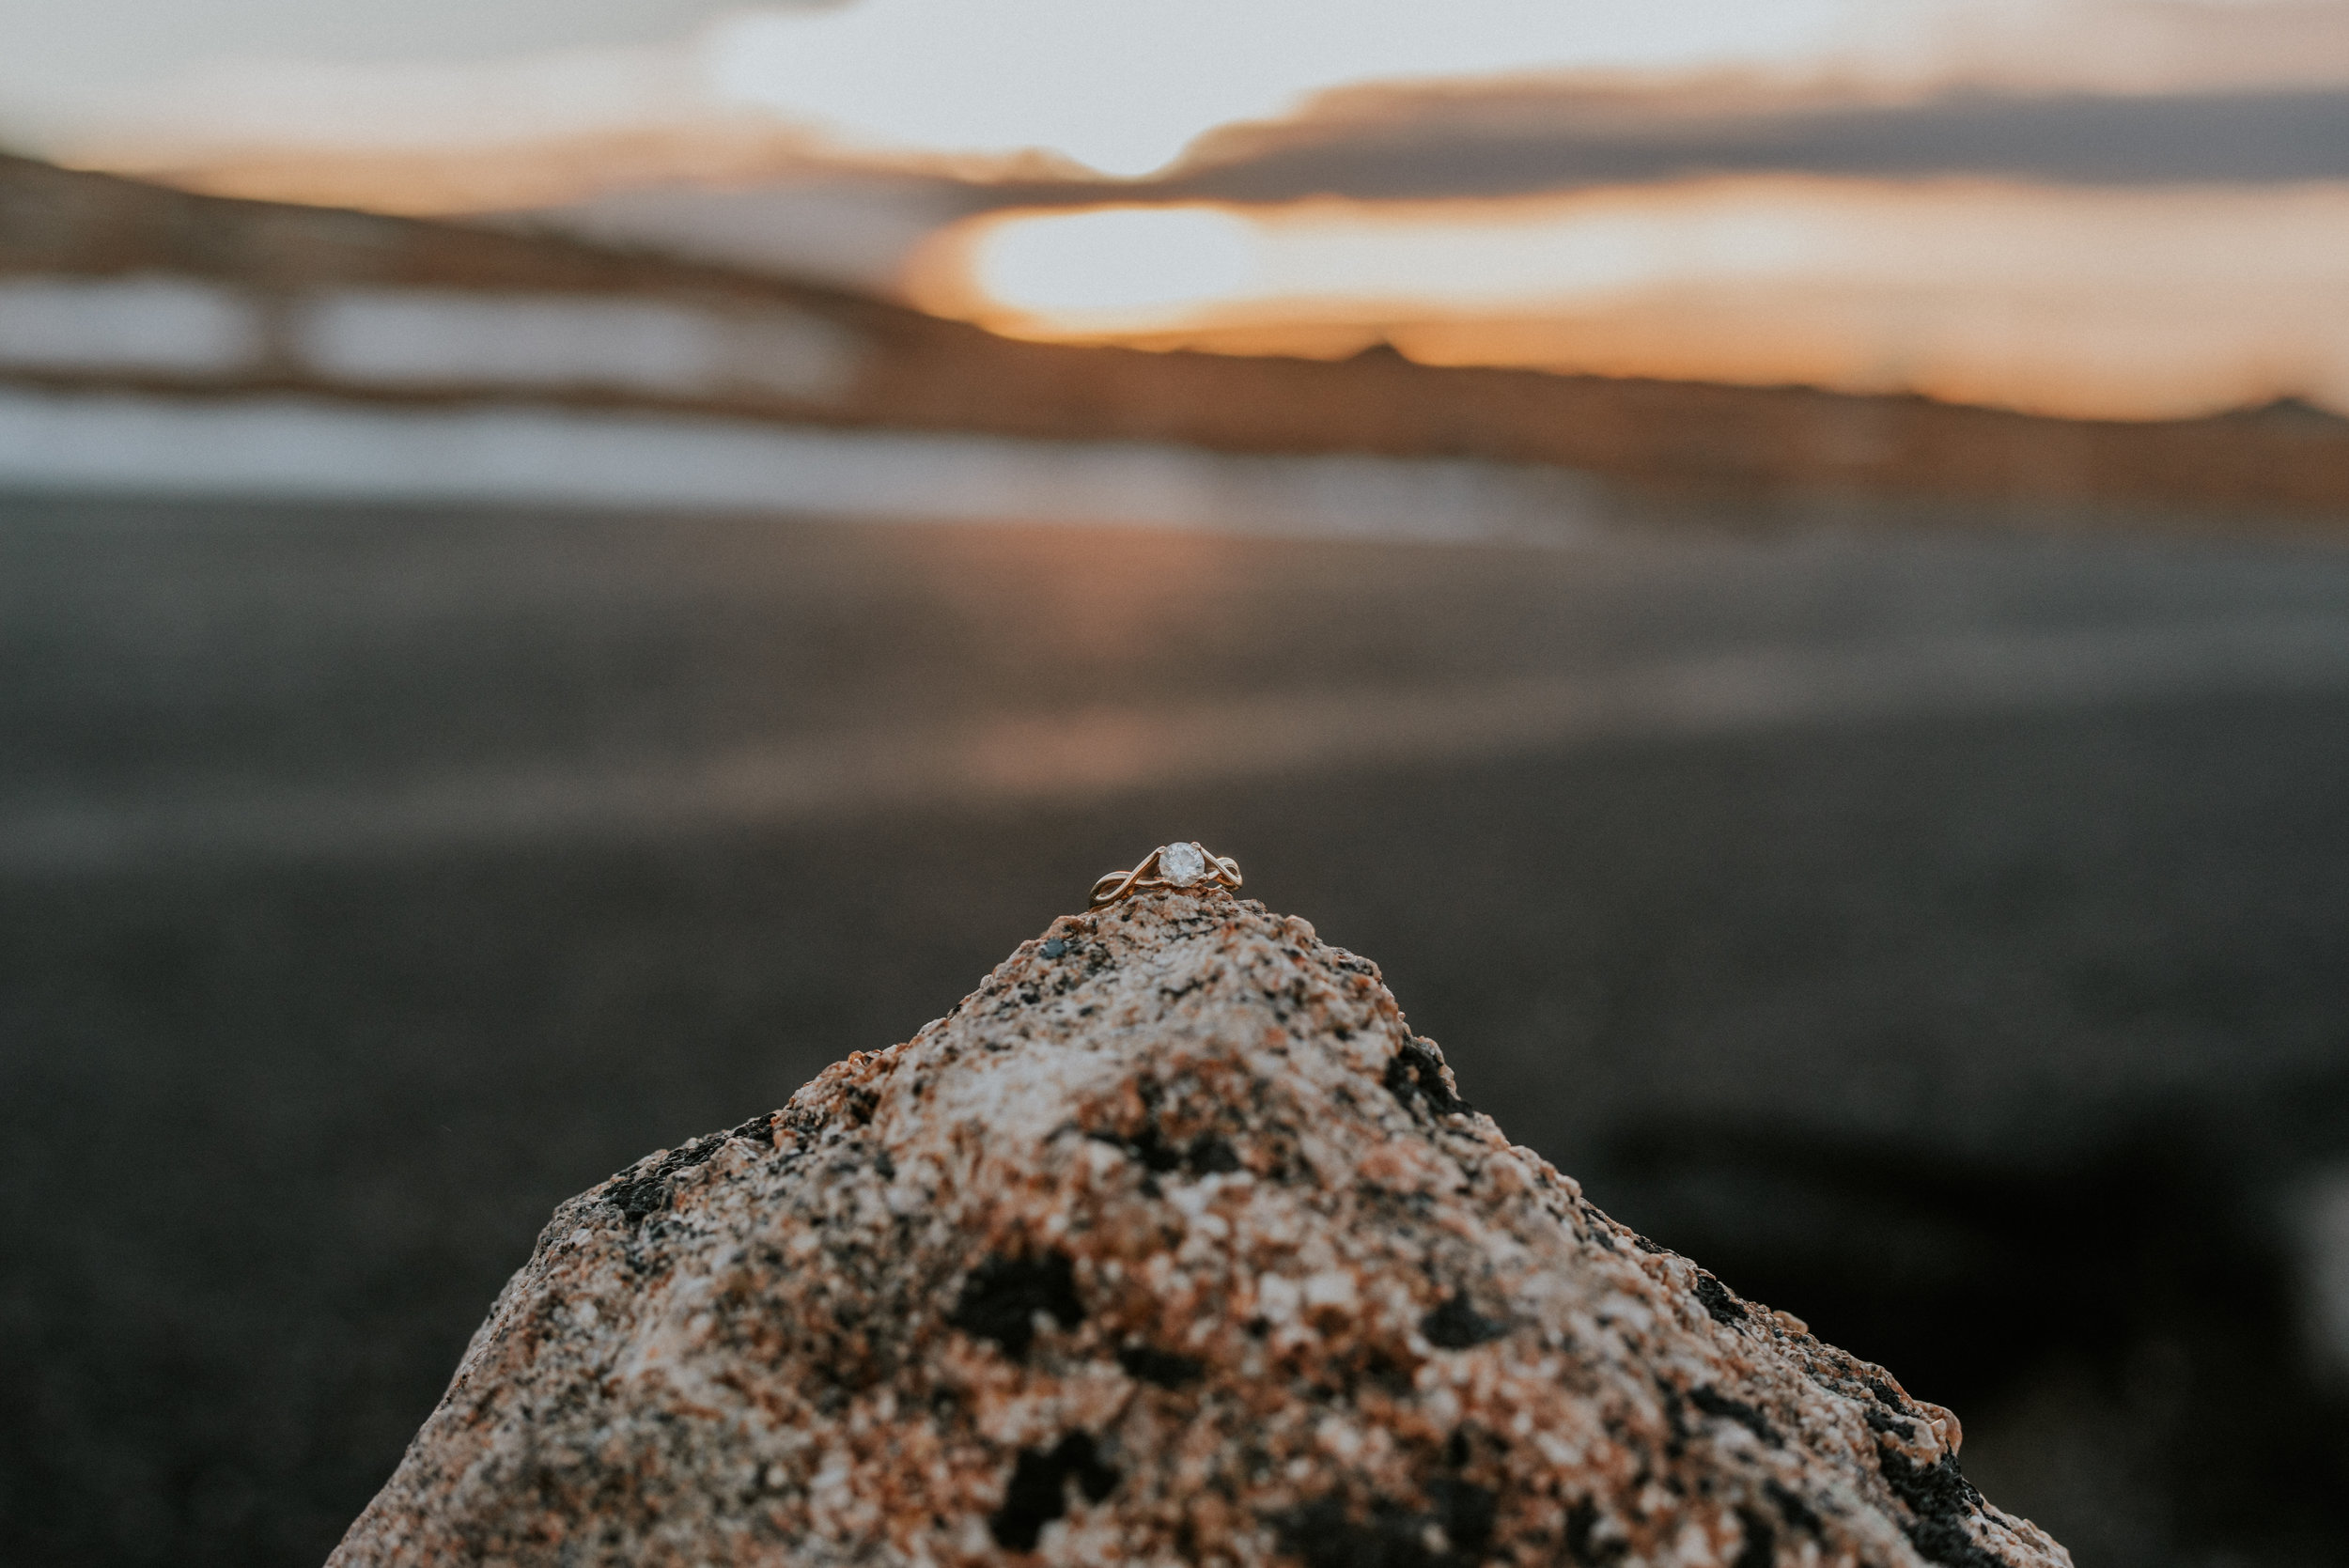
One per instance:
(1170, 1244)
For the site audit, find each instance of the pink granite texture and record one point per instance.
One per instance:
(1170, 1245)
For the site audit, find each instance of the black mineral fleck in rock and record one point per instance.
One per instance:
(1002, 1295)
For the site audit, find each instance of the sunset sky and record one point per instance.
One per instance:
(2129, 208)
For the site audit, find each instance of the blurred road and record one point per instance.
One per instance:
(1938, 933)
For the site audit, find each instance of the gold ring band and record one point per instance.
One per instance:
(1182, 865)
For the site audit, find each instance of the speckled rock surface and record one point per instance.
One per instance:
(1170, 1245)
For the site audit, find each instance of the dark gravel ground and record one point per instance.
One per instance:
(1993, 1043)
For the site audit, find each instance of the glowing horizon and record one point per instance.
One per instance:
(2116, 304)
(2130, 297)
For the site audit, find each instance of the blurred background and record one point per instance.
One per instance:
(1780, 565)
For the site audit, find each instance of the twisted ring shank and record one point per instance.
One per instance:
(1222, 872)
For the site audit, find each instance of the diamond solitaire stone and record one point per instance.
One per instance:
(1182, 865)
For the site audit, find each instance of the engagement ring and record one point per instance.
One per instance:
(1170, 865)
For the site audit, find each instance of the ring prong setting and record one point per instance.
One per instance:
(1182, 865)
